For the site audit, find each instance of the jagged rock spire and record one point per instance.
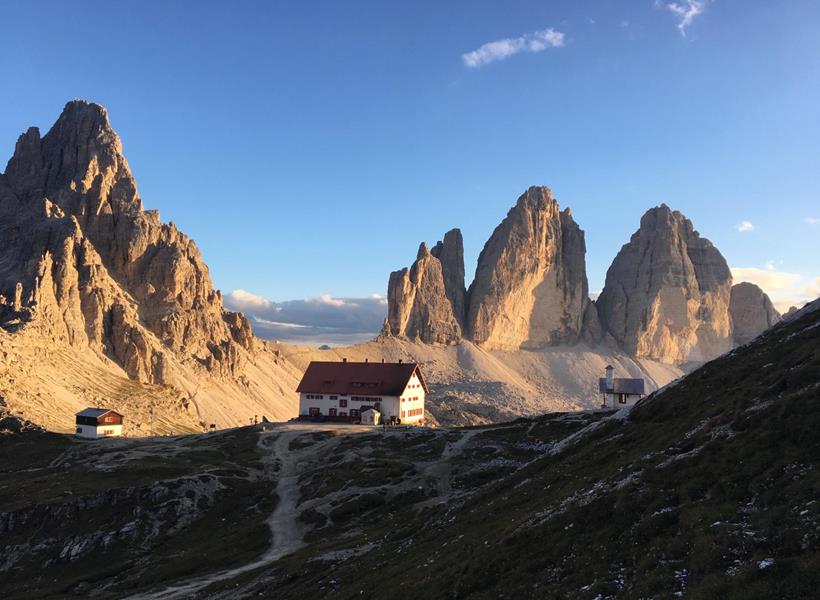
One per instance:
(420, 304)
(530, 288)
(103, 271)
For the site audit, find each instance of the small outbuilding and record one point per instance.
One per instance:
(620, 392)
(96, 423)
(371, 416)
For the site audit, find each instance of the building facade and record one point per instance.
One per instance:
(619, 392)
(96, 423)
(341, 391)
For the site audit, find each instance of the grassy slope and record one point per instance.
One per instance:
(131, 511)
(705, 482)
(702, 483)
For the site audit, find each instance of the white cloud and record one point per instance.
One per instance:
(686, 11)
(278, 323)
(380, 298)
(324, 319)
(745, 226)
(784, 289)
(812, 220)
(507, 47)
(245, 301)
(329, 301)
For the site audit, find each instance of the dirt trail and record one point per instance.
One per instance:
(442, 469)
(286, 529)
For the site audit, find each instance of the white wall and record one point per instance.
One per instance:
(413, 390)
(91, 432)
(613, 402)
(390, 406)
(328, 401)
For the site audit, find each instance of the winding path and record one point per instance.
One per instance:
(286, 529)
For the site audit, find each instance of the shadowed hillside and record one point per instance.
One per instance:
(708, 489)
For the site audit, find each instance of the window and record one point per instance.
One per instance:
(402, 399)
(108, 432)
(315, 397)
(622, 398)
(354, 412)
(314, 411)
(415, 412)
(334, 397)
(343, 402)
(108, 419)
(331, 412)
(365, 398)
(402, 414)
(342, 413)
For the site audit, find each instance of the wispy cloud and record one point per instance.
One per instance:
(784, 289)
(812, 220)
(686, 11)
(507, 47)
(745, 226)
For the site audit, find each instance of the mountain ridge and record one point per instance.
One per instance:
(668, 294)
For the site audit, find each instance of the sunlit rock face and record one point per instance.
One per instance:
(667, 292)
(81, 255)
(752, 312)
(422, 301)
(530, 288)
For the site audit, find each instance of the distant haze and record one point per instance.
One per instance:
(313, 321)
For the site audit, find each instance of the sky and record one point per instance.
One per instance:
(309, 147)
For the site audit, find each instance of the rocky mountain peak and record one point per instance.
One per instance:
(97, 269)
(752, 312)
(530, 288)
(426, 302)
(666, 295)
(423, 251)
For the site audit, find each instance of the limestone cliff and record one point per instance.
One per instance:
(101, 270)
(530, 288)
(103, 304)
(666, 295)
(752, 312)
(419, 306)
(450, 252)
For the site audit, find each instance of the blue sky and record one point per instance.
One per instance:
(308, 147)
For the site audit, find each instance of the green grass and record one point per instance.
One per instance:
(700, 485)
(191, 506)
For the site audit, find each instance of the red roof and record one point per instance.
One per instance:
(359, 378)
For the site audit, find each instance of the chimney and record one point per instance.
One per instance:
(365, 360)
(399, 361)
(344, 360)
(610, 378)
(382, 361)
